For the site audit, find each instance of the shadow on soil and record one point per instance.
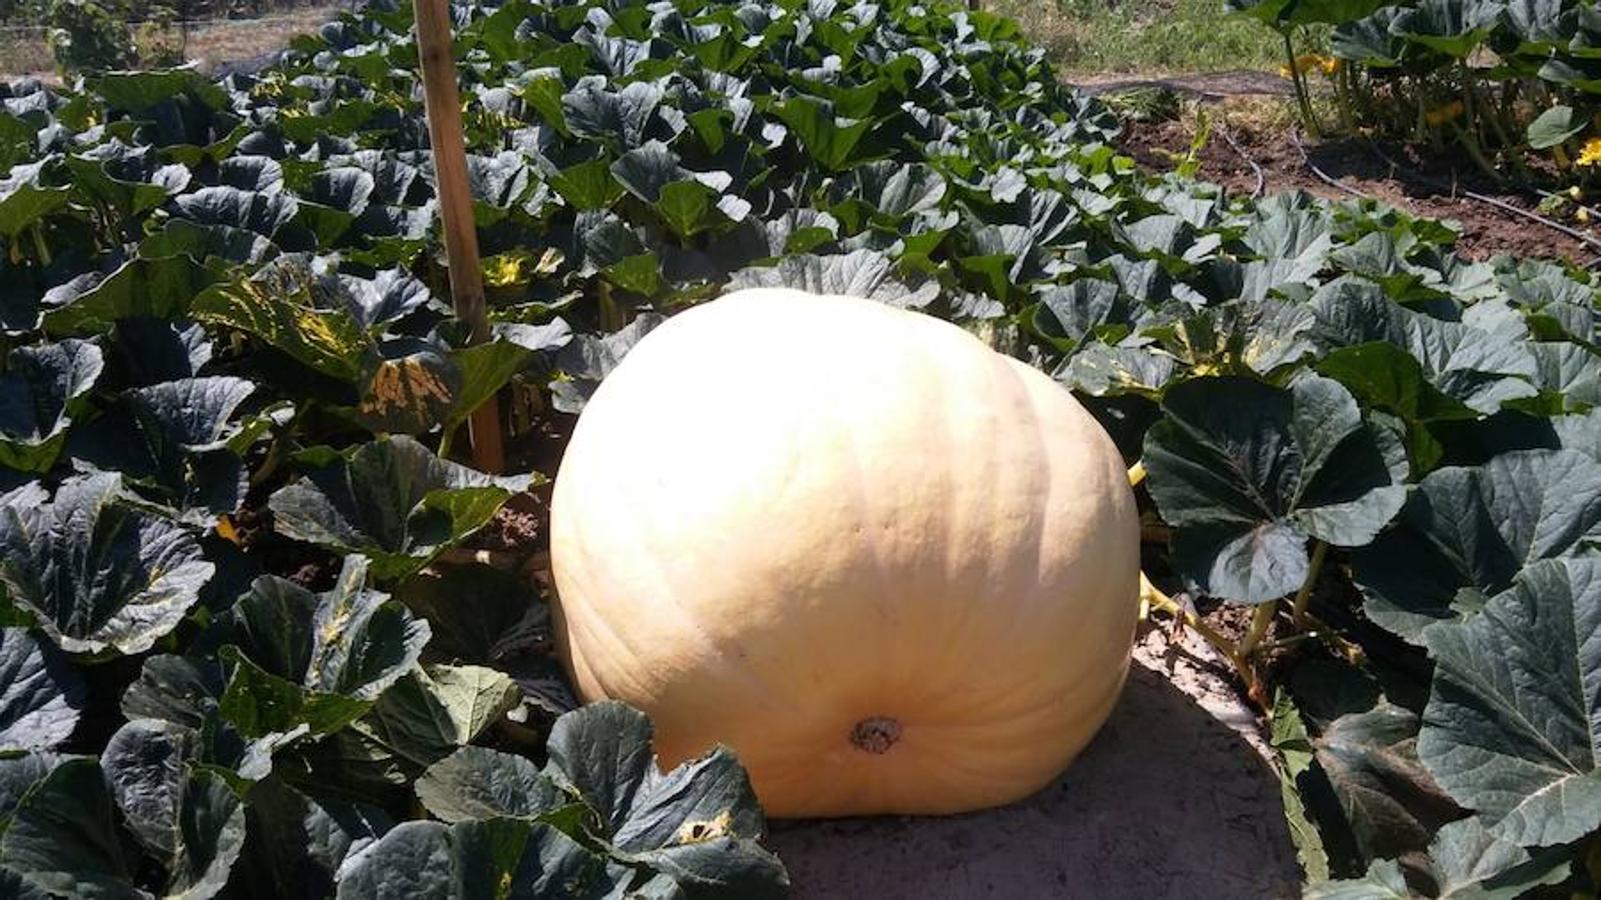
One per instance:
(1167, 802)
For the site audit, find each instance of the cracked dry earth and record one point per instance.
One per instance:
(1175, 798)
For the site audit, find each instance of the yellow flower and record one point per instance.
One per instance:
(1442, 114)
(1591, 154)
(504, 269)
(1308, 62)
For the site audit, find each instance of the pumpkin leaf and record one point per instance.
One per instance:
(1247, 473)
(296, 843)
(97, 572)
(1391, 803)
(1510, 730)
(318, 660)
(429, 713)
(290, 308)
(172, 442)
(1466, 532)
(477, 858)
(697, 824)
(392, 500)
(40, 391)
(480, 783)
(190, 819)
(41, 694)
(63, 835)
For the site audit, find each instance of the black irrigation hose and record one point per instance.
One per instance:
(1330, 180)
(1261, 178)
(1295, 138)
(1492, 201)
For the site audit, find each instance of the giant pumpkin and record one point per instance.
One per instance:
(894, 570)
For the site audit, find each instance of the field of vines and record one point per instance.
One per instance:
(261, 635)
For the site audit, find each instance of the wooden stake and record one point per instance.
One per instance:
(443, 106)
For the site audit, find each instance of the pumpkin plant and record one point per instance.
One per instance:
(266, 634)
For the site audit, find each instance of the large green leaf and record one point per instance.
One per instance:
(431, 712)
(478, 858)
(479, 783)
(1454, 27)
(26, 198)
(349, 642)
(1391, 804)
(859, 273)
(1384, 376)
(189, 819)
(1511, 726)
(296, 843)
(1247, 473)
(39, 393)
(171, 440)
(697, 824)
(41, 694)
(161, 288)
(1480, 366)
(1554, 126)
(393, 500)
(830, 140)
(63, 836)
(1465, 862)
(1465, 533)
(1283, 13)
(98, 573)
(287, 308)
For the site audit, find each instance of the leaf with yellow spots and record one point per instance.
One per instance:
(411, 394)
(314, 659)
(292, 309)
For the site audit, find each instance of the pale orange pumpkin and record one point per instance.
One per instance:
(894, 570)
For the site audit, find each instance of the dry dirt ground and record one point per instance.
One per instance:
(1423, 184)
(23, 53)
(1175, 798)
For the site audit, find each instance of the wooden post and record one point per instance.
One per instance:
(443, 105)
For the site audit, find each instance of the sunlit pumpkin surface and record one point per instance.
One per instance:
(894, 570)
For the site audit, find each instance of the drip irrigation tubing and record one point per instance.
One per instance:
(1326, 178)
(1496, 202)
(1261, 177)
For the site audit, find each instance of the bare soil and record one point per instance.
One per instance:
(23, 51)
(1426, 184)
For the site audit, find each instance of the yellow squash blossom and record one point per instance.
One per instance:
(1591, 154)
(1308, 62)
(504, 269)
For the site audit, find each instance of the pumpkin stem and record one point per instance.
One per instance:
(876, 734)
(1320, 551)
